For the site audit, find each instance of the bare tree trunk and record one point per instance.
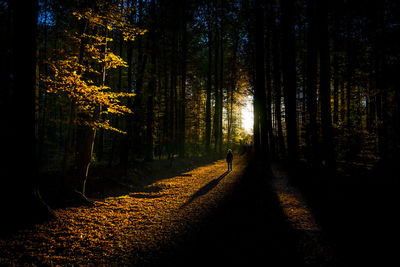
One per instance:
(312, 82)
(138, 102)
(277, 89)
(216, 88)
(182, 130)
(20, 135)
(209, 88)
(260, 97)
(221, 89)
(289, 78)
(151, 87)
(325, 87)
(267, 42)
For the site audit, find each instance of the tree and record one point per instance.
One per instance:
(20, 197)
(277, 73)
(311, 83)
(325, 86)
(209, 84)
(289, 78)
(151, 85)
(182, 127)
(260, 109)
(74, 78)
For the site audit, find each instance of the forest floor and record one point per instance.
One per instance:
(358, 213)
(201, 217)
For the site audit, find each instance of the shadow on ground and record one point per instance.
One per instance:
(104, 182)
(358, 213)
(205, 189)
(247, 228)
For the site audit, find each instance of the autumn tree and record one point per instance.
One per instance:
(80, 77)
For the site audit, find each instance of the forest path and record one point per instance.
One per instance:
(312, 242)
(201, 217)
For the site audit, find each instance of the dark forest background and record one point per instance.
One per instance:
(322, 76)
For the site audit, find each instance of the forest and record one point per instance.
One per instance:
(105, 92)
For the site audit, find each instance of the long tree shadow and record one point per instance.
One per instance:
(205, 189)
(243, 228)
(106, 182)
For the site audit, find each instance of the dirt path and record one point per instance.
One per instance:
(128, 229)
(312, 243)
(206, 216)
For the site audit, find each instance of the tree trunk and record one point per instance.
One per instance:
(259, 95)
(173, 96)
(289, 78)
(151, 87)
(276, 58)
(139, 98)
(182, 129)
(221, 89)
(312, 82)
(216, 89)
(336, 68)
(267, 42)
(87, 134)
(232, 87)
(20, 165)
(325, 87)
(208, 89)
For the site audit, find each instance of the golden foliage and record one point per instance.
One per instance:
(77, 69)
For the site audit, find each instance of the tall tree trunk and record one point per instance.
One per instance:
(151, 86)
(221, 88)
(125, 145)
(138, 102)
(260, 97)
(289, 78)
(209, 88)
(232, 87)
(216, 88)
(20, 132)
(276, 58)
(325, 87)
(381, 107)
(335, 87)
(267, 42)
(312, 82)
(173, 96)
(335, 66)
(86, 136)
(182, 129)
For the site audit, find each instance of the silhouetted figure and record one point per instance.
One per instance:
(229, 158)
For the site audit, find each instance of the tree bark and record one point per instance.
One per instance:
(151, 86)
(216, 87)
(312, 83)
(20, 136)
(267, 42)
(289, 78)
(182, 129)
(209, 88)
(276, 58)
(325, 87)
(139, 98)
(260, 97)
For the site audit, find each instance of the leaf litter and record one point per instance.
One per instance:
(123, 230)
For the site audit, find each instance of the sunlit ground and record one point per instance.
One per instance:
(247, 115)
(124, 230)
(314, 247)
